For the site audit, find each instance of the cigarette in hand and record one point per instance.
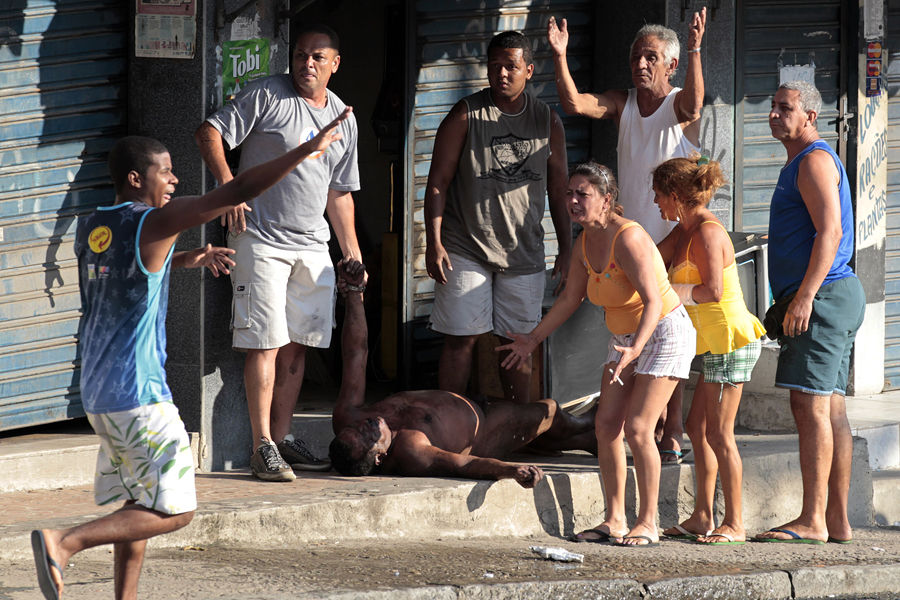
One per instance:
(616, 378)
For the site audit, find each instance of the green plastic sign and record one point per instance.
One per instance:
(242, 62)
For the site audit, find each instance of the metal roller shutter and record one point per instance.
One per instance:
(62, 103)
(772, 32)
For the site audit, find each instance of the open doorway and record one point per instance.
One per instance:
(371, 80)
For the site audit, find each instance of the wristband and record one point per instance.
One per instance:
(695, 50)
(685, 291)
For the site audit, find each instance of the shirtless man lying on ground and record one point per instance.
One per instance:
(433, 432)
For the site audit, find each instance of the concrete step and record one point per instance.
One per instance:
(571, 500)
(237, 510)
(877, 419)
(57, 456)
(885, 495)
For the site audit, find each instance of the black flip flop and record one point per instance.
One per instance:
(650, 541)
(604, 538)
(43, 562)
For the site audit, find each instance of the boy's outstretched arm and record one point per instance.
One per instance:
(215, 258)
(163, 226)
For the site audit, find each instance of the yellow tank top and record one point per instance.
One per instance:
(722, 326)
(612, 290)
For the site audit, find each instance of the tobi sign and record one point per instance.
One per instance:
(242, 62)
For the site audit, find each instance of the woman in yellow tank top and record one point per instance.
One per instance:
(653, 343)
(703, 272)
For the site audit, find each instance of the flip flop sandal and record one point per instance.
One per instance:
(729, 540)
(604, 537)
(678, 454)
(650, 541)
(43, 562)
(684, 534)
(794, 539)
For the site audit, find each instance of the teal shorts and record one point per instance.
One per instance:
(818, 360)
(734, 367)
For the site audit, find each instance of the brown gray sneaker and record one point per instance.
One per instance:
(267, 464)
(298, 456)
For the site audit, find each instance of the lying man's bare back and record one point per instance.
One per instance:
(433, 432)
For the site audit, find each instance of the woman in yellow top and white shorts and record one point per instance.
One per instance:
(703, 272)
(619, 267)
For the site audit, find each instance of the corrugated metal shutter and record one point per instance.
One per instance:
(451, 45)
(892, 254)
(769, 32)
(62, 103)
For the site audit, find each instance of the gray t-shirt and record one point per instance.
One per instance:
(268, 118)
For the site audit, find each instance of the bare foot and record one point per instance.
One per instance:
(640, 535)
(838, 528)
(670, 450)
(802, 530)
(693, 527)
(717, 535)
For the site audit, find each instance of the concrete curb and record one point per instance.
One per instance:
(849, 581)
(569, 499)
(881, 581)
(772, 585)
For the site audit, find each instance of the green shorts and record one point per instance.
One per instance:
(818, 360)
(734, 367)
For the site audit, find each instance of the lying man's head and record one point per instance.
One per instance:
(357, 450)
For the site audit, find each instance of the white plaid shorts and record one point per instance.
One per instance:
(668, 352)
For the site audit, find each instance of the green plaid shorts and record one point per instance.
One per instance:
(734, 367)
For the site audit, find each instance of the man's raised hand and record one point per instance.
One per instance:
(558, 36)
(697, 29)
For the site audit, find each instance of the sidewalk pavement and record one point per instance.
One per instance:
(322, 532)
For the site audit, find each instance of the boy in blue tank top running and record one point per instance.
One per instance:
(125, 253)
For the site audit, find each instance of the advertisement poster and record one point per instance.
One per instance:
(165, 28)
(242, 62)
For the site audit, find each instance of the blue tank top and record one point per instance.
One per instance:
(122, 334)
(791, 230)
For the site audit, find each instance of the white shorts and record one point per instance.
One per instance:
(668, 352)
(475, 300)
(145, 456)
(280, 296)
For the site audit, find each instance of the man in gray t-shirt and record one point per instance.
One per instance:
(283, 281)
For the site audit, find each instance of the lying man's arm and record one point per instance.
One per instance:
(354, 343)
(414, 456)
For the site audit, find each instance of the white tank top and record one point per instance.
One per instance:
(644, 144)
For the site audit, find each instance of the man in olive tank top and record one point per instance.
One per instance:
(496, 155)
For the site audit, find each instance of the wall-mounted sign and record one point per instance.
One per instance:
(165, 28)
(242, 62)
(873, 69)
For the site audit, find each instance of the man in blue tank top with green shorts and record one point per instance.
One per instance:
(810, 247)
